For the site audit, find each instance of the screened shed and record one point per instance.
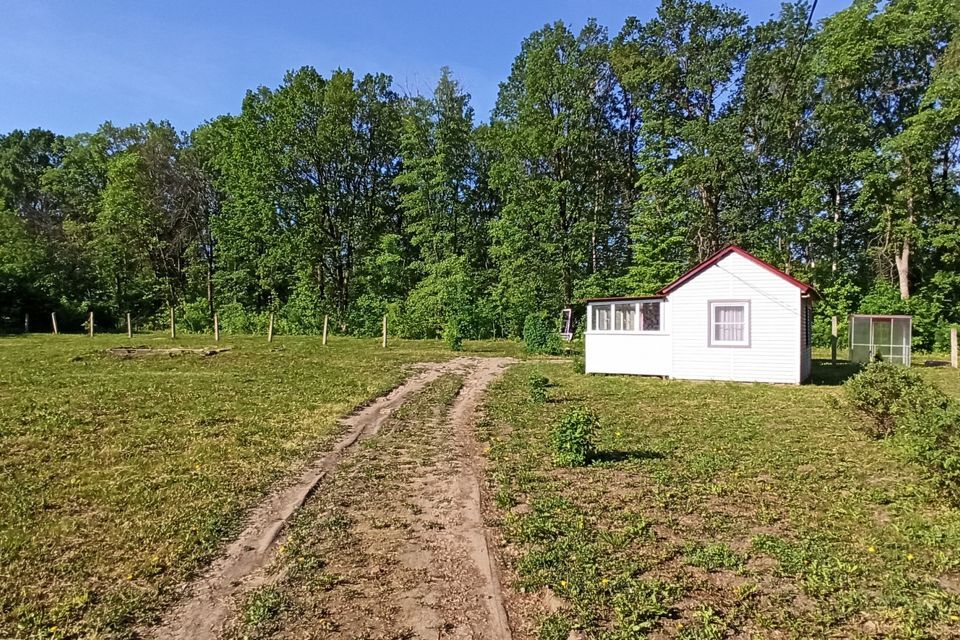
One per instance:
(886, 336)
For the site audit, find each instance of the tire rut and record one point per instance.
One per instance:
(206, 605)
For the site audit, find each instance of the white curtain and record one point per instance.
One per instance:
(729, 323)
(625, 317)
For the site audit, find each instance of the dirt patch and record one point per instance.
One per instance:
(394, 546)
(141, 352)
(205, 609)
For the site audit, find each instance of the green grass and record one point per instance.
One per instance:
(717, 509)
(120, 478)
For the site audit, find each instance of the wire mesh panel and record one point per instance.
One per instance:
(884, 337)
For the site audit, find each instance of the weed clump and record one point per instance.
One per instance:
(453, 335)
(572, 438)
(538, 388)
(889, 393)
(540, 336)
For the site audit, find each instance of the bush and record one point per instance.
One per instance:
(572, 438)
(538, 388)
(195, 317)
(888, 392)
(540, 336)
(453, 335)
(917, 413)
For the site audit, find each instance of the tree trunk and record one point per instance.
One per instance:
(903, 269)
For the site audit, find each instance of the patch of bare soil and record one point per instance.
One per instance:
(398, 522)
(206, 604)
(394, 546)
(140, 352)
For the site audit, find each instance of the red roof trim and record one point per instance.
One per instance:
(625, 298)
(727, 250)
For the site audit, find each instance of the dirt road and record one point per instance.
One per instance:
(408, 553)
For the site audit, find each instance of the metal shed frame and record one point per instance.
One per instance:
(884, 342)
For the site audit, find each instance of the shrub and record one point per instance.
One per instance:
(540, 336)
(538, 388)
(453, 335)
(572, 438)
(888, 392)
(195, 317)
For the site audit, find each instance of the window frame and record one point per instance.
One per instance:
(616, 311)
(593, 325)
(711, 324)
(637, 306)
(659, 303)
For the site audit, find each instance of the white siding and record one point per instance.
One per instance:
(638, 354)
(774, 352)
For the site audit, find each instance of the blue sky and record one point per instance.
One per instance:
(70, 65)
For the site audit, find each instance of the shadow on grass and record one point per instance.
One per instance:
(825, 372)
(616, 455)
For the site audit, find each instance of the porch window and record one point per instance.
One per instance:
(650, 316)
(730, 323)
(625, 317)
(601, 317)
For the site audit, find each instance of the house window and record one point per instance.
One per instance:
(650, 316)
(625, 317)
(730, 324)
(601, 317)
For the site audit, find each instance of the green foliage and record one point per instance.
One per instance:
(572, 438)
(260, 611)
(538, 388)
(713, 557)
(540, 335)
(453, 335)
(921, 416)
(609, 166)
(195, 317)
(887, 392)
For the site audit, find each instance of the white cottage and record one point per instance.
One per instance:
(732, 317)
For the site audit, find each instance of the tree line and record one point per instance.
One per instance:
(610, 165)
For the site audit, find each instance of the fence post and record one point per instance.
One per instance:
(26, 323)
(53, 319)
(129, 327)
(953, 347)
(384, 331)
(833, 340)
(216, 327)
(90, 324)
(325, 319)
(173, 323)
(270, 329)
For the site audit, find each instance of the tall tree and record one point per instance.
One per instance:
(558, 148)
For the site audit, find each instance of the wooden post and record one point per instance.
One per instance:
(953, 347)
(216, 327)
(129, 326)
(173, 323)
(53, 319)
(90, 324)
(833, 340)
(270, 328)
(26, 323)
(384, 331)
(325, 319)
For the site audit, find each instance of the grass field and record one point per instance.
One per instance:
(120, 477)
(719, 510)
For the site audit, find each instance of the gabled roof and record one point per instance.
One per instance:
(805, 288)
